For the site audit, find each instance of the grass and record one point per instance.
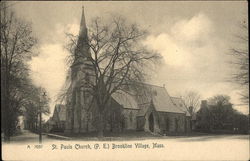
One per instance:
(137, 135)
(126, 135)
(108, 134)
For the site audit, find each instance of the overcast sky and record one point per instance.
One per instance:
(193, 38)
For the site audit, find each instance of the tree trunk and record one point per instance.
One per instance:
(7, 118)
(101, 125)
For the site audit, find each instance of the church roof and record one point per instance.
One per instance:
(143, 109)
(149, 93)
(162, 101)
(180, 104)
(124, 99)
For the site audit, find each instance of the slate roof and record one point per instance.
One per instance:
(61, 111)
(162, 101)
(180, 104)
(149, 93)
(125, 99)
(143, 109)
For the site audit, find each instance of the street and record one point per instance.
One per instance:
(219, 147)
(28, 137)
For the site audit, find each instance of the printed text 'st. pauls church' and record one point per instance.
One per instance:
(150, 109)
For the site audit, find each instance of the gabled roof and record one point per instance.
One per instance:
(143, 109)
(125, 99)
(178, 102)
(162, 101)
(61, 112)
(148, 93)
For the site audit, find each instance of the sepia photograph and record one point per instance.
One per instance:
(124, 80)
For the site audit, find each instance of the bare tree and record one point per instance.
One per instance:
(221, 111)
(32, 104)
(240, 61)
(17, 43)
(191, 101)
(220, 115)
(219, 100)
(118, 59)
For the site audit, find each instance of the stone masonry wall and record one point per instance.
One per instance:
(172, 122)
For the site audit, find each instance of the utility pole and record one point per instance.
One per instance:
(40, 122)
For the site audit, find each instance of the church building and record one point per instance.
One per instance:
(151, 110)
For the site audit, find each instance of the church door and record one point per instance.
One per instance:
(151, 122)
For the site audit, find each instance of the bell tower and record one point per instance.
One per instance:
(81, 70)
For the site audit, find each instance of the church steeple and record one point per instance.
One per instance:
(83, 26)
(82, 47)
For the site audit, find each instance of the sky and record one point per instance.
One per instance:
(193, 38)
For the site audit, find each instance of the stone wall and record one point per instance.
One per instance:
(130, 122)
(80, 120)
(113, 117)
(69, 117)
(172, 122)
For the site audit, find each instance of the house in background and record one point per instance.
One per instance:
(57, 121)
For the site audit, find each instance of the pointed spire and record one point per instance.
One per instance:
(82, 48)
(83, 22)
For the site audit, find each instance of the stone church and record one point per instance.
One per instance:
(151, 110)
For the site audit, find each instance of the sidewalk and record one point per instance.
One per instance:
(27, 136)
(54, 136)
(24, 136)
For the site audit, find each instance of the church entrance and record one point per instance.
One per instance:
(151, 122)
